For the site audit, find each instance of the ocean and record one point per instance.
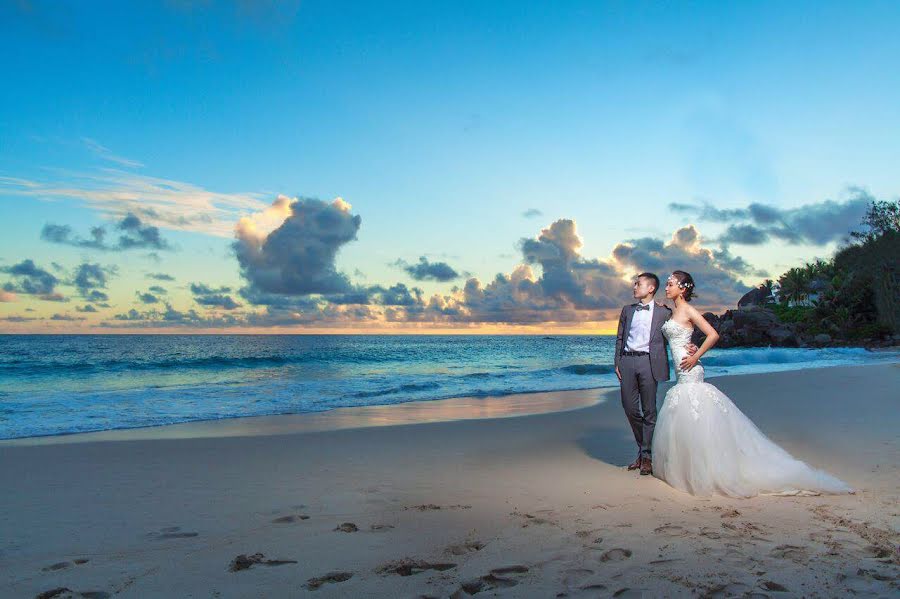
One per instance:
(60, 384)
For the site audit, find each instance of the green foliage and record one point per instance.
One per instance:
(858, 290)
(881, 218)
(787, 313)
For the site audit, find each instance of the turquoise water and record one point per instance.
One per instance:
(57, 384)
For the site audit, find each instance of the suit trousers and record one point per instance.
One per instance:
(639, 399)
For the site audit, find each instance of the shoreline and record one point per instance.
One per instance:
(535, 506)
(510, 405)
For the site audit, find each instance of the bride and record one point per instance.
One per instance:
(703, 444)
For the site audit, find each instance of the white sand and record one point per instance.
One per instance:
(163, 512)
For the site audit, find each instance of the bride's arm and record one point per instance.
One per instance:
(712, 337)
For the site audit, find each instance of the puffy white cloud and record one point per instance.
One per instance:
(298, 257)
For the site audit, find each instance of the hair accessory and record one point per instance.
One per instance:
(681, 285)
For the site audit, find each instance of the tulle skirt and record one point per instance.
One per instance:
(704, 445)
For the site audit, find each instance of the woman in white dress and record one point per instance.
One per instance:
(703, 444)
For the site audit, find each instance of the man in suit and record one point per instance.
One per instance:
(642, 360)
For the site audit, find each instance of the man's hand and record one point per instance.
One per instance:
(691, 349)
(618, 374)
(687, 363)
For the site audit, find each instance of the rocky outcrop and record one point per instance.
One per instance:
(752, 326)
(759, 326)
(759, 296)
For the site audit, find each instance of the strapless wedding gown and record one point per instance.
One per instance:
(704, 445)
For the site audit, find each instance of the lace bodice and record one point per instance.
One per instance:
(678, 337)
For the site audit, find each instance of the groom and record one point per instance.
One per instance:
(641, 362)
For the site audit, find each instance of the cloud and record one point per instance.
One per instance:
(813, 224)
(532, 212)
(290, 269)
(570, 288)
(320, 314)
(574, 288)
(163, 203)
(298, 257)
(30, 279)
(158, 289)
(90, 278)
(715, 273)
(396, 295)
(136, 235)
(63, 234)
(212, 297)
(160, 276)
(170, 317)
(425, 270)
(86, 308)
(133, 234)
(66, 317)
(147, 298)
(106, 153)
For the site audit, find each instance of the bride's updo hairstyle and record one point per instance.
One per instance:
(685, 282)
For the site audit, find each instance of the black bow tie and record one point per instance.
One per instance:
(643, 307)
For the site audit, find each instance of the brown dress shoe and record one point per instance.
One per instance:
(646, 466)
(635, 464)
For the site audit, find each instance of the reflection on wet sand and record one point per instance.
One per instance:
(460, 408)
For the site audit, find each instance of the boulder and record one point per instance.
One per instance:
(783, 337)
(822, 339)
(754, 297)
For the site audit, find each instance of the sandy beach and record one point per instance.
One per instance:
(399, 501)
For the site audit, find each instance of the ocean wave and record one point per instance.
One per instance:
(758, 356)
(589, 369)
(59, 367)
(407, 387)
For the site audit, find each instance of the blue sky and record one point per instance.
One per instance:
(440, 124)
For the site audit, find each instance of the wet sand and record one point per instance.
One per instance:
(374, 502)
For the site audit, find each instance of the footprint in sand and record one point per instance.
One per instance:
(332, 577)
(61, 592)
(629, 593)
(529, 519)
(573, 576)
(408, 566)
(347, 527)
(726, 589)
(377, 527)
(245, 562)
(464, 548)
(64, 565)
(615, 555)
(791, 552)
(171, 532)
(593, 587)
(670, 530)
(426, 507)
(773, 586)
(584, 534)
(745, 530)
(498, 578)
(290, 519)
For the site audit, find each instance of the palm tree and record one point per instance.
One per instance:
(794, 285)
(768, 286)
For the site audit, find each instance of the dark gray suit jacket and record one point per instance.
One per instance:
(659, 355)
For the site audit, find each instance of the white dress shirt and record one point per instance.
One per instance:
(639, 333)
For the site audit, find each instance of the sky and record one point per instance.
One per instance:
(473, 167)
